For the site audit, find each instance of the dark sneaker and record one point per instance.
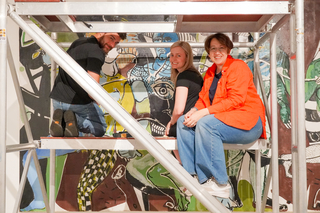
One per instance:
(56, 128)
(71, 129)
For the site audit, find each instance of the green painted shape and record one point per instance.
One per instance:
(246, 195)
(60, 161)
(196, 205)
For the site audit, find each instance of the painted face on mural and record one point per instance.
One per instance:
(162, 53)
(161, 103)
(178, 58)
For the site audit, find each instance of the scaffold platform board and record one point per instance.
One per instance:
(169, 143)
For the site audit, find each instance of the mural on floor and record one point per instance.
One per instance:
(139, 79)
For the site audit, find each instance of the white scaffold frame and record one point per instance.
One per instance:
(19, 13)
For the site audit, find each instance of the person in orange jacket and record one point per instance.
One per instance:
(229, 110)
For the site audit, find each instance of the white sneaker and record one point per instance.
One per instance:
(186, 191)
(216, 189)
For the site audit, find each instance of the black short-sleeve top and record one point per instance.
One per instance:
(193, 81)
(88, 54)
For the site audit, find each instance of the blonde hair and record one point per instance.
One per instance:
(189, 60)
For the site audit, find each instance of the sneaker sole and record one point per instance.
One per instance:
(71, 129)
(56, 127)
(222, 194)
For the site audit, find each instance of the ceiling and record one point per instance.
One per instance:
(153, 16)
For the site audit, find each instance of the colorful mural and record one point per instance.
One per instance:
(139, 80)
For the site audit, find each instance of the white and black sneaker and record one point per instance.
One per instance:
(216, 189)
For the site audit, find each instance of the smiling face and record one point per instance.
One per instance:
(108, 41)
(218, 53)
(178, 58)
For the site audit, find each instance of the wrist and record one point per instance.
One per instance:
(205, 111)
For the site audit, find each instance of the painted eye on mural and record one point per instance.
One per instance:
(157, 39)
(163, 90)
(167, 39)
(36, 54)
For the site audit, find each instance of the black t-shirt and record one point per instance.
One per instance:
(88, 54)
(193, 82)
(213, 87)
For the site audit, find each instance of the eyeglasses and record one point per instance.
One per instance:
(220, 49)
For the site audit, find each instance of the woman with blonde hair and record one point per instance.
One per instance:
(187, 80)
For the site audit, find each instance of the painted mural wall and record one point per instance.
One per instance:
(139, 79)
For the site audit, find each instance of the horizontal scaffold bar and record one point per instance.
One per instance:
(169, 143)
(152, 8)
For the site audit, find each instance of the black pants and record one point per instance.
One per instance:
(173, 130)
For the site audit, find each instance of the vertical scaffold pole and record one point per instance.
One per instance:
(294, 102)
(259, 86)
(3, 103)
(301, 130)
(274, 123)
(52, 192)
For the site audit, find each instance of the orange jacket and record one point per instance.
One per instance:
(236, 102)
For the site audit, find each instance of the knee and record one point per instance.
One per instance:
(204, 127)
(99, 132)
(201, 123)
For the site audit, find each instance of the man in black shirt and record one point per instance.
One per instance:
(75, 113)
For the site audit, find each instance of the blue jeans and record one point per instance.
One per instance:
(201, 147)
(90, 117)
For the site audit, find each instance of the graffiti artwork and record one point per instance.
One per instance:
(139, 80)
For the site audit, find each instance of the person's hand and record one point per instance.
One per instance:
(188, 114)
(192, 120)
(167, 129)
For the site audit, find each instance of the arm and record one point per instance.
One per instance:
(180, 103)
(95, 76)
(179, 106)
